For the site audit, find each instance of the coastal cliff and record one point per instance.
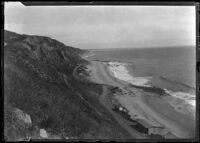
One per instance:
(39, 82)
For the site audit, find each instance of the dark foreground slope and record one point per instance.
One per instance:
(40, 92)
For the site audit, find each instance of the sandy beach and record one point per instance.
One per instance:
(160, 114)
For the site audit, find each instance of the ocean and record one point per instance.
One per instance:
(169, 68)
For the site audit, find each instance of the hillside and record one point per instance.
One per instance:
(40, 93)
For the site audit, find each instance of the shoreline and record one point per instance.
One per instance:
(144, 106)
(121, 72)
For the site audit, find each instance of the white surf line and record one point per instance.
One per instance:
(121, 72)
(188, 98)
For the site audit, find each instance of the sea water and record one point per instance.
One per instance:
(170, 68)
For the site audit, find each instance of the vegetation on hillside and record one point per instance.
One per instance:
(38, 80)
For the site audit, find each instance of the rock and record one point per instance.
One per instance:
(23, 116)
(43, 133)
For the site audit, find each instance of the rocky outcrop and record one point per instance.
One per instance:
(23, 116)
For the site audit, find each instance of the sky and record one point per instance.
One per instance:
(96, 27)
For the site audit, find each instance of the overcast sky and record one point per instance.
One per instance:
(105, 26)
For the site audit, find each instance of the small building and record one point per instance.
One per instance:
(157, 131)
(153, 129)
